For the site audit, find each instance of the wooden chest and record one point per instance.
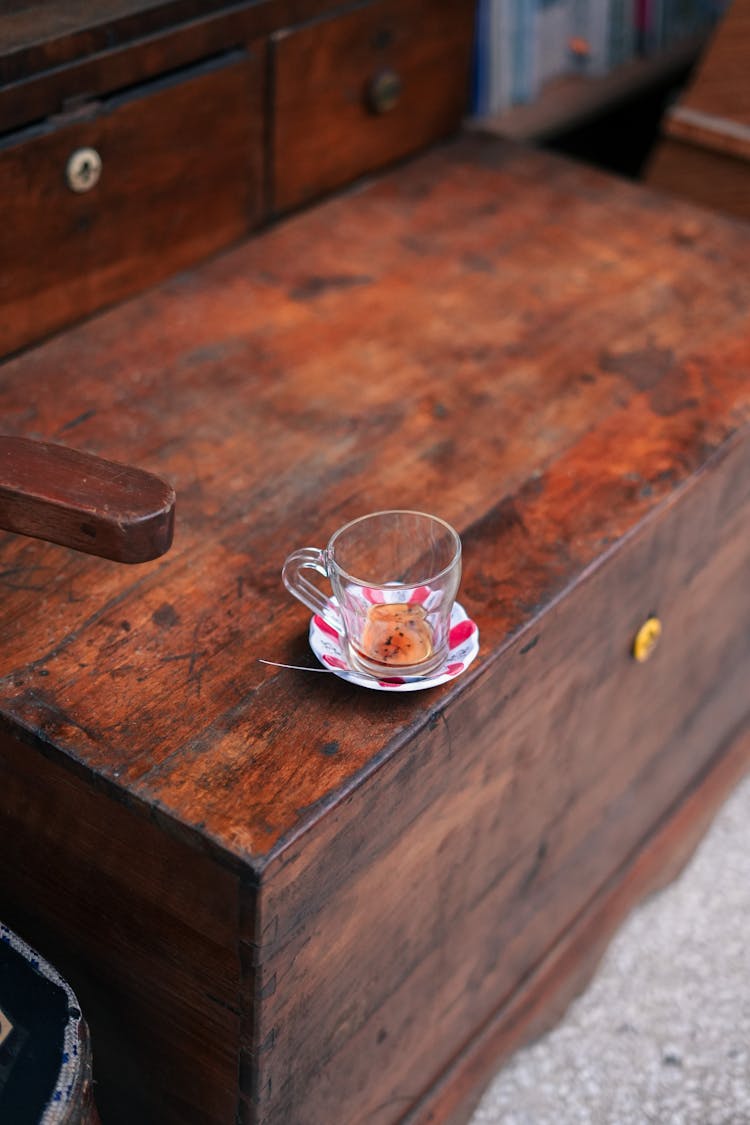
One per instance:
(283, 899)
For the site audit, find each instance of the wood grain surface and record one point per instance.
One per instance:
(554, 361)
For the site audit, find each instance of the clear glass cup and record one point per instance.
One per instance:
(394, 577)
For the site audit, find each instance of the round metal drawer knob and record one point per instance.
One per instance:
(83, 169)
(384, 91)
(646, 639)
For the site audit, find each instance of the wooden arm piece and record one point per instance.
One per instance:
(81, 501)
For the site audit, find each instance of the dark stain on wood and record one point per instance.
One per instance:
(678, 391)
(311, 287)
(643, 367)
(478, 263)
(165, 616)
(442, 453)
(504, 518)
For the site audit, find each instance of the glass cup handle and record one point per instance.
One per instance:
(309, 558)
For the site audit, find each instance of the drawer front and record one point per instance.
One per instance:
(179, 177)
(356, 92)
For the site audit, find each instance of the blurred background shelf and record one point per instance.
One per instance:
(595, 79)
(573, 100)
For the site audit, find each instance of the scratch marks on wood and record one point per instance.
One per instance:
(77, 421)
(536, 866)
(448, 735)
(22, 577)
(316, 286)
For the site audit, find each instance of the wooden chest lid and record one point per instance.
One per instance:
(536, 352)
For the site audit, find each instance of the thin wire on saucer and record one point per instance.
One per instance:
(295, 667)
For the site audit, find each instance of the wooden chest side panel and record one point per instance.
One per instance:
(144, 928)
(440, 885)
(180, 178)
(543, 996)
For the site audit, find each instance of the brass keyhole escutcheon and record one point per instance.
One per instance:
(83, 169)
(646, 639)
(384, 91)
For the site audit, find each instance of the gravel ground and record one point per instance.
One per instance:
(662, 1034)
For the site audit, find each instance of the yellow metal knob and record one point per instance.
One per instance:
(646, 639)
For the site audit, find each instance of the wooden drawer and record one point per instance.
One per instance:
(356, 92)
(180, 177)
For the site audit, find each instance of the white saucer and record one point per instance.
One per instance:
(463, 647)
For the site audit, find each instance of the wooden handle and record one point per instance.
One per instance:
(84, 502)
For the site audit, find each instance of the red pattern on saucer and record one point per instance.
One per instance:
(463, 641)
